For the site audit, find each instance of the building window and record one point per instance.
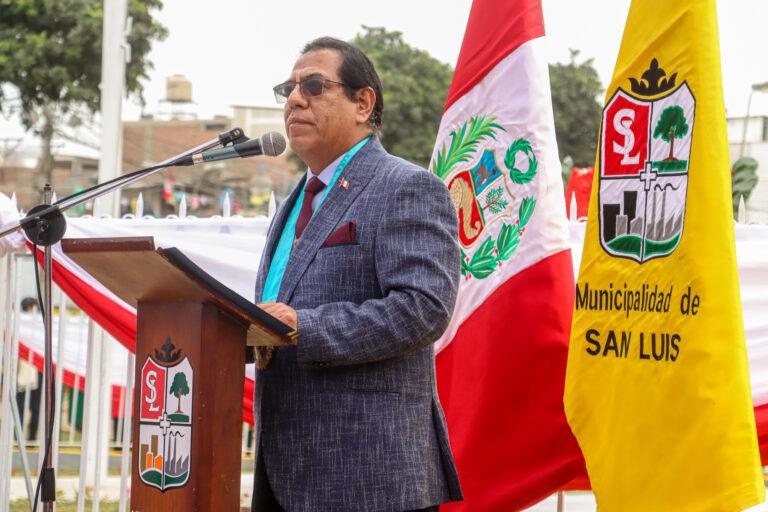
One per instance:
(215, 127)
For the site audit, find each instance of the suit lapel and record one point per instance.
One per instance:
(358, 173)
(273, 236)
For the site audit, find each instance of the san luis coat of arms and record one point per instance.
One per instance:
(165, 423)
(485, 192)
(645, 149)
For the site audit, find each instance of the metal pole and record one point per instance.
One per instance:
(113, 61)
(85, 444)
(3, 264)
(22, 451)
(15, 357)
(49, 389)
(26, 407)
(73, 410)
(76, 395)
(9, 376)
(103, 413)
(39, 433)
(244, 446)
(59, 379)
(560, 501)
(15, 332)
(746, 122)
(120, 406)
(125, 457)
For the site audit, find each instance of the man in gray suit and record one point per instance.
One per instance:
(362, 260)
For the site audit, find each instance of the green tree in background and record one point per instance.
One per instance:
(743, 180)
(50, 52)
(415, 88)
(575, 90)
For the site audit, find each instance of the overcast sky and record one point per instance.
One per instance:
(235, 51)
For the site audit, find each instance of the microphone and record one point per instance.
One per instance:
(269, 144)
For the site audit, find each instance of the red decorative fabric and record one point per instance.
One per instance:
(579, 187)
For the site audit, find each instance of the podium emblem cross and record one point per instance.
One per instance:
(648, 176)
(165, 424)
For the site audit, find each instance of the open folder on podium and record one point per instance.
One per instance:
(190, 369)
(134, 270)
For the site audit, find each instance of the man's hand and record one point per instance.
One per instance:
(282, 312)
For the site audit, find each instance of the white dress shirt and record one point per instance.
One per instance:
(325, 176)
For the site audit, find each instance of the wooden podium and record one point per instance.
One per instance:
(190, 368)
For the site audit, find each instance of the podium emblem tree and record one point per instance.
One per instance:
(179, 388)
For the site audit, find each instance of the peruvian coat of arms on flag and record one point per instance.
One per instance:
(484, 192)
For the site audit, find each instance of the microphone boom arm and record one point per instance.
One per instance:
(51, 212)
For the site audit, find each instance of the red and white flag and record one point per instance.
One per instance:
(229, 258)
(501, 363)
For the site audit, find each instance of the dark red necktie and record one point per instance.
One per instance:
(313, 187)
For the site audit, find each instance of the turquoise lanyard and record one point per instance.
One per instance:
(285, 245)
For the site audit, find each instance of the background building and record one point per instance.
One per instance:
(71, 172)
(173, 128)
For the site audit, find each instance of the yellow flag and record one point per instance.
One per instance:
(657, 386)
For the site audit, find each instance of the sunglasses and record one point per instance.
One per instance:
(313, 86)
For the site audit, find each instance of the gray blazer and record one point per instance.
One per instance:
(349, 418)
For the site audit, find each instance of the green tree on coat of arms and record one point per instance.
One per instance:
(179, 387)
(671, 125)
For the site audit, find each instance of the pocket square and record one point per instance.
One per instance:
(344, 235)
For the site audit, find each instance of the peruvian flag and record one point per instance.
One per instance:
(501, 363)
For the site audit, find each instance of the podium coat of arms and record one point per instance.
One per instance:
(165, 423)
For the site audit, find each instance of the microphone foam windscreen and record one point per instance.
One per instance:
(272, 144)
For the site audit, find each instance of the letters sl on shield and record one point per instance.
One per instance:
(644, 154)
(165, 426)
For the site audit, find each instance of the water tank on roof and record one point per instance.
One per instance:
(178, 89)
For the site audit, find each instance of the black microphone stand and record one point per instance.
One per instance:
(45, 225)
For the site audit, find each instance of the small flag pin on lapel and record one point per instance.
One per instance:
(344, 183)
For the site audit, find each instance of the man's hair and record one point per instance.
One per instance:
(28, 304)
(357, 71)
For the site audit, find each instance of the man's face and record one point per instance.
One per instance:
(319, 127)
